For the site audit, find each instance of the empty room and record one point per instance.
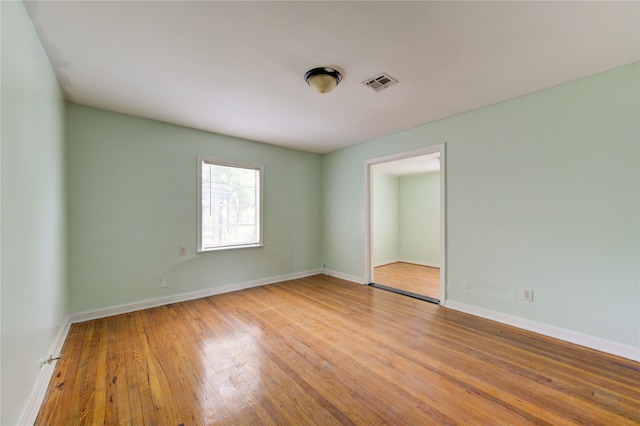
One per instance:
(320, 212)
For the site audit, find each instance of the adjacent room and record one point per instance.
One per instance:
(195, 209)
(405, 214)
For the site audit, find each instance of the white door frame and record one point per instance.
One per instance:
(440, 148)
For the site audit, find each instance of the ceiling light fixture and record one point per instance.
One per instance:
(322, 79)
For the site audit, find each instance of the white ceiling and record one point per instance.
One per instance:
(237, 68)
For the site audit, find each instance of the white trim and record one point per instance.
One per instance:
(607, 346)
(432, 149)
(443, 227)
(183, 297)
(347, 277)
(39, 391)
(368, 194)
(368, 223)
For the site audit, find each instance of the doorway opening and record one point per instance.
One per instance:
(405, 250)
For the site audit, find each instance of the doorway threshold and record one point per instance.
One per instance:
(406, 293)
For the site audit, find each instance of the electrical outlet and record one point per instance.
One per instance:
(164, 283)
(182, 250)
(527, 295)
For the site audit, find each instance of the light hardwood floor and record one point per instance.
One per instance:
(324, 351)
(410, 277)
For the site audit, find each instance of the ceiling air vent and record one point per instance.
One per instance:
(380, 82)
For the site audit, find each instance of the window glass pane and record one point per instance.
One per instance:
(230, 212)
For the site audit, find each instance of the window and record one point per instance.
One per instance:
(229, 205)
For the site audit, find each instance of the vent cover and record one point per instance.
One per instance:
(380, 82)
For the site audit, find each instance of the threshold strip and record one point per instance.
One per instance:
(406, 293)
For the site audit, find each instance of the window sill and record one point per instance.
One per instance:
(222, 248)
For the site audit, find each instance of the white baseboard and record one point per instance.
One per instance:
(34, 403)
(385, 263)
(414, 262)
(417, 262)
(613, 348)
(154, 303)
(347, 277)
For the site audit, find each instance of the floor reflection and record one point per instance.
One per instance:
(232, 370)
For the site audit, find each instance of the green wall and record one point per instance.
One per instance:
(419, 219)
(132, 192)
(406, 219)
(34, 245)
(385, 221)
(542, 192)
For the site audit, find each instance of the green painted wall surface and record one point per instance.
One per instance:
(386, 226)
(542, 192)
(419, 212)
(406, 219)
(132, 203)
(34, 245)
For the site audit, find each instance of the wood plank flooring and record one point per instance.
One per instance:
(410, 277)
(322, 351)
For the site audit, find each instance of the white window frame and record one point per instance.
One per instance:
(260, 169)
